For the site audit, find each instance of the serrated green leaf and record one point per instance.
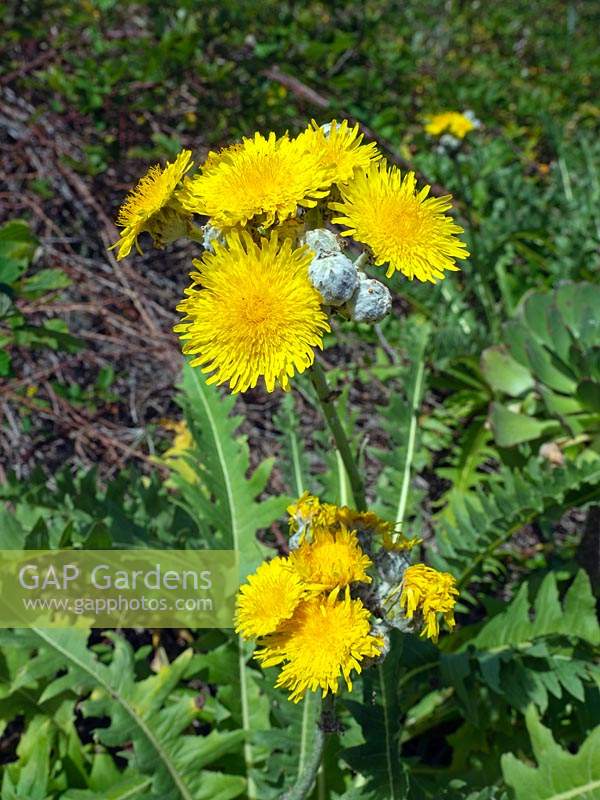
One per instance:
(558, 774)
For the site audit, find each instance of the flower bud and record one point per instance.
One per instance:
(371, 301)
(335, 277)
(322, 241)
(209, 235)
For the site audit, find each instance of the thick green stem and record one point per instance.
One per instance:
(325, 397)
(309, 769)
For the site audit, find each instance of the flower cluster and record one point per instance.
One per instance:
(274, 269)
(325, 610)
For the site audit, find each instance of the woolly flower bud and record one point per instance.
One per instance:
(322, 242)
(327, 126)
(211, 234)
(371, 302)
(335, 277)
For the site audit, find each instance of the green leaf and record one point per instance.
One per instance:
(503, 373)
(378, 759)
(222, 462)
(559, 775)
(17, 242)
(145, 713)
(131, 788)
(518, 623)
(470, 537)
(46, 280)
(511, 428)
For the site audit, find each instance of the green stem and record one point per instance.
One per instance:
(308, 770)
(410, 447)
(324, 395)
(248, 754)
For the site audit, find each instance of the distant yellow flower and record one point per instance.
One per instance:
(262, 178)
(427, 593)
(151, 206)
(270, 597)
(324, 640)
(449, 122)
(183, 442)
(339, 149)
(331, 559)
(251, 312)
(406, 230)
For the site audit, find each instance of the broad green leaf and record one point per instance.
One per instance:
(558, 774)
(511, 428)
(505, 374)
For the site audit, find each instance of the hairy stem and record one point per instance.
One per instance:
(332, 418)
(308, 770)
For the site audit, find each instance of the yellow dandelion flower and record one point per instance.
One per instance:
(251, 312)
(449, 122)
(427, 592)
(324, 640)
(339, 149)
(332, 558)
(142, 206)
(266, 178)
(406, 230)
(270, 597)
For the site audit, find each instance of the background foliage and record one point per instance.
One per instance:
(487, 389)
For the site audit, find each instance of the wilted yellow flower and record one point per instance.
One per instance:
(151, 207)
(270, 596)
(366, 521)
(263, 178)
(339, 149)
(449, 122)
(406, 230)
(309, 512)
(251, 312)
(427, 592)
(324, 640)
(332, 558)
(399, 542)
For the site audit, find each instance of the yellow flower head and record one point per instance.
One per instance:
(251, 312)
(331, 559)
(449, 122)
(399, 542)
(339, 149)
(267, 177)
(142, 208)
(309, 512)
(366, 521)
(324, 640)
(271, 596)
(406, 230)
(427, 592)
